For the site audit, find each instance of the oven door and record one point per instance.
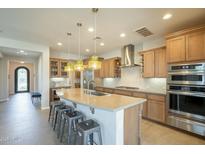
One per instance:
(188, 104)
(196, 78)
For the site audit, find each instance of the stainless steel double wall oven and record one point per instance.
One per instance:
(186, 97)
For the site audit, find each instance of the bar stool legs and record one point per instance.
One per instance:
(87, 128)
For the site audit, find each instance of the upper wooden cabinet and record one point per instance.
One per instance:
(176, 49)
(149, 64)
(110, 68)
(186, 45)
(57, 67)
(195, 46)
(63, 73)
(54, 67)
(155, 64)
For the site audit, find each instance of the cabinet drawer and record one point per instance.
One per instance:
(140, 95)
(122, 92)
(107, 90)
(156, 98)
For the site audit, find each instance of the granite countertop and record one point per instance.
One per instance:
(162, 92)
(111, 102)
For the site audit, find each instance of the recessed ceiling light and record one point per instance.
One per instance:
(21, 51)
(87, 50)
(22, 62)
(167, 16)
(90, 29)
(59, 44)
(122, 35)
(102, 44)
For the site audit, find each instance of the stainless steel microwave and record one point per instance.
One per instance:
(191, 74)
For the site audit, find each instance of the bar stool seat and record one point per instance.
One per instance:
(71, 118)
(53, 105)
(86, 130)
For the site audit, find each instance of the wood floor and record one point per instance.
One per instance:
(23, 123)
(153, 133)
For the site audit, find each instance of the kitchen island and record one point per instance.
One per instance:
(119, 116)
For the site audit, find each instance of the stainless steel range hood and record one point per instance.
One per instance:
(128, 56)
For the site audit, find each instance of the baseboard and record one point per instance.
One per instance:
(4, 99)
(45, 108)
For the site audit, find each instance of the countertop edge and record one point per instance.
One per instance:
(111, 110)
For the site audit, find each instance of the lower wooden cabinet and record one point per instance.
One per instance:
(156, 108)
(153, 109)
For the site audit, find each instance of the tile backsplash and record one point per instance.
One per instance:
(132, 77)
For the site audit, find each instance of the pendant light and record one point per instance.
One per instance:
(69, 67)
(79, 64)
(94, 63)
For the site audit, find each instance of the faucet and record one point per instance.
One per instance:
(88, 85)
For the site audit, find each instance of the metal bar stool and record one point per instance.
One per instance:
(86, 130)
(71, 118)
(58, 113)
(53, 105)
(66, 110)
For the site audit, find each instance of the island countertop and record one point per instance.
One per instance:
(111, 102)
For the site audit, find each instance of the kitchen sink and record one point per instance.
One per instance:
(98, 93)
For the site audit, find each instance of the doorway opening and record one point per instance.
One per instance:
(22, 79)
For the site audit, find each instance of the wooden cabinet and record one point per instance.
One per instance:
(176, 49)
(186, 45)
(63, 63)
(155, 64)
(160, 63)
(57, 67)
(110, 68)
(195, 49)
(148, 64)
(54, 67)
(156, 108)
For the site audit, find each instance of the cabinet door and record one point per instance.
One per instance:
(63, 73)
(156, 110)
(106, 69)
(195, 46)
(160, 63)
(176, 49)
(102, 69)
(54, 68)
(149, 64)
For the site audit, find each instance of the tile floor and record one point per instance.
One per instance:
(23, 123)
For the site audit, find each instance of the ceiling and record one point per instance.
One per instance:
(13, 52)
(49, 26)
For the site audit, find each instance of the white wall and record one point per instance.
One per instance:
(45, 54)
(133, 76)
(1, 55)
(63, 55)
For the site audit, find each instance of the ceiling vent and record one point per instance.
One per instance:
(144, 31)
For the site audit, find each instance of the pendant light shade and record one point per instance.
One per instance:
(79, 64)
(94, 63)
(69, 67)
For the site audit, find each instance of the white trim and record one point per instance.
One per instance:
(45, 108)
(4, 99)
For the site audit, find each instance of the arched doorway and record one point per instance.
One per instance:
(22, 79)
